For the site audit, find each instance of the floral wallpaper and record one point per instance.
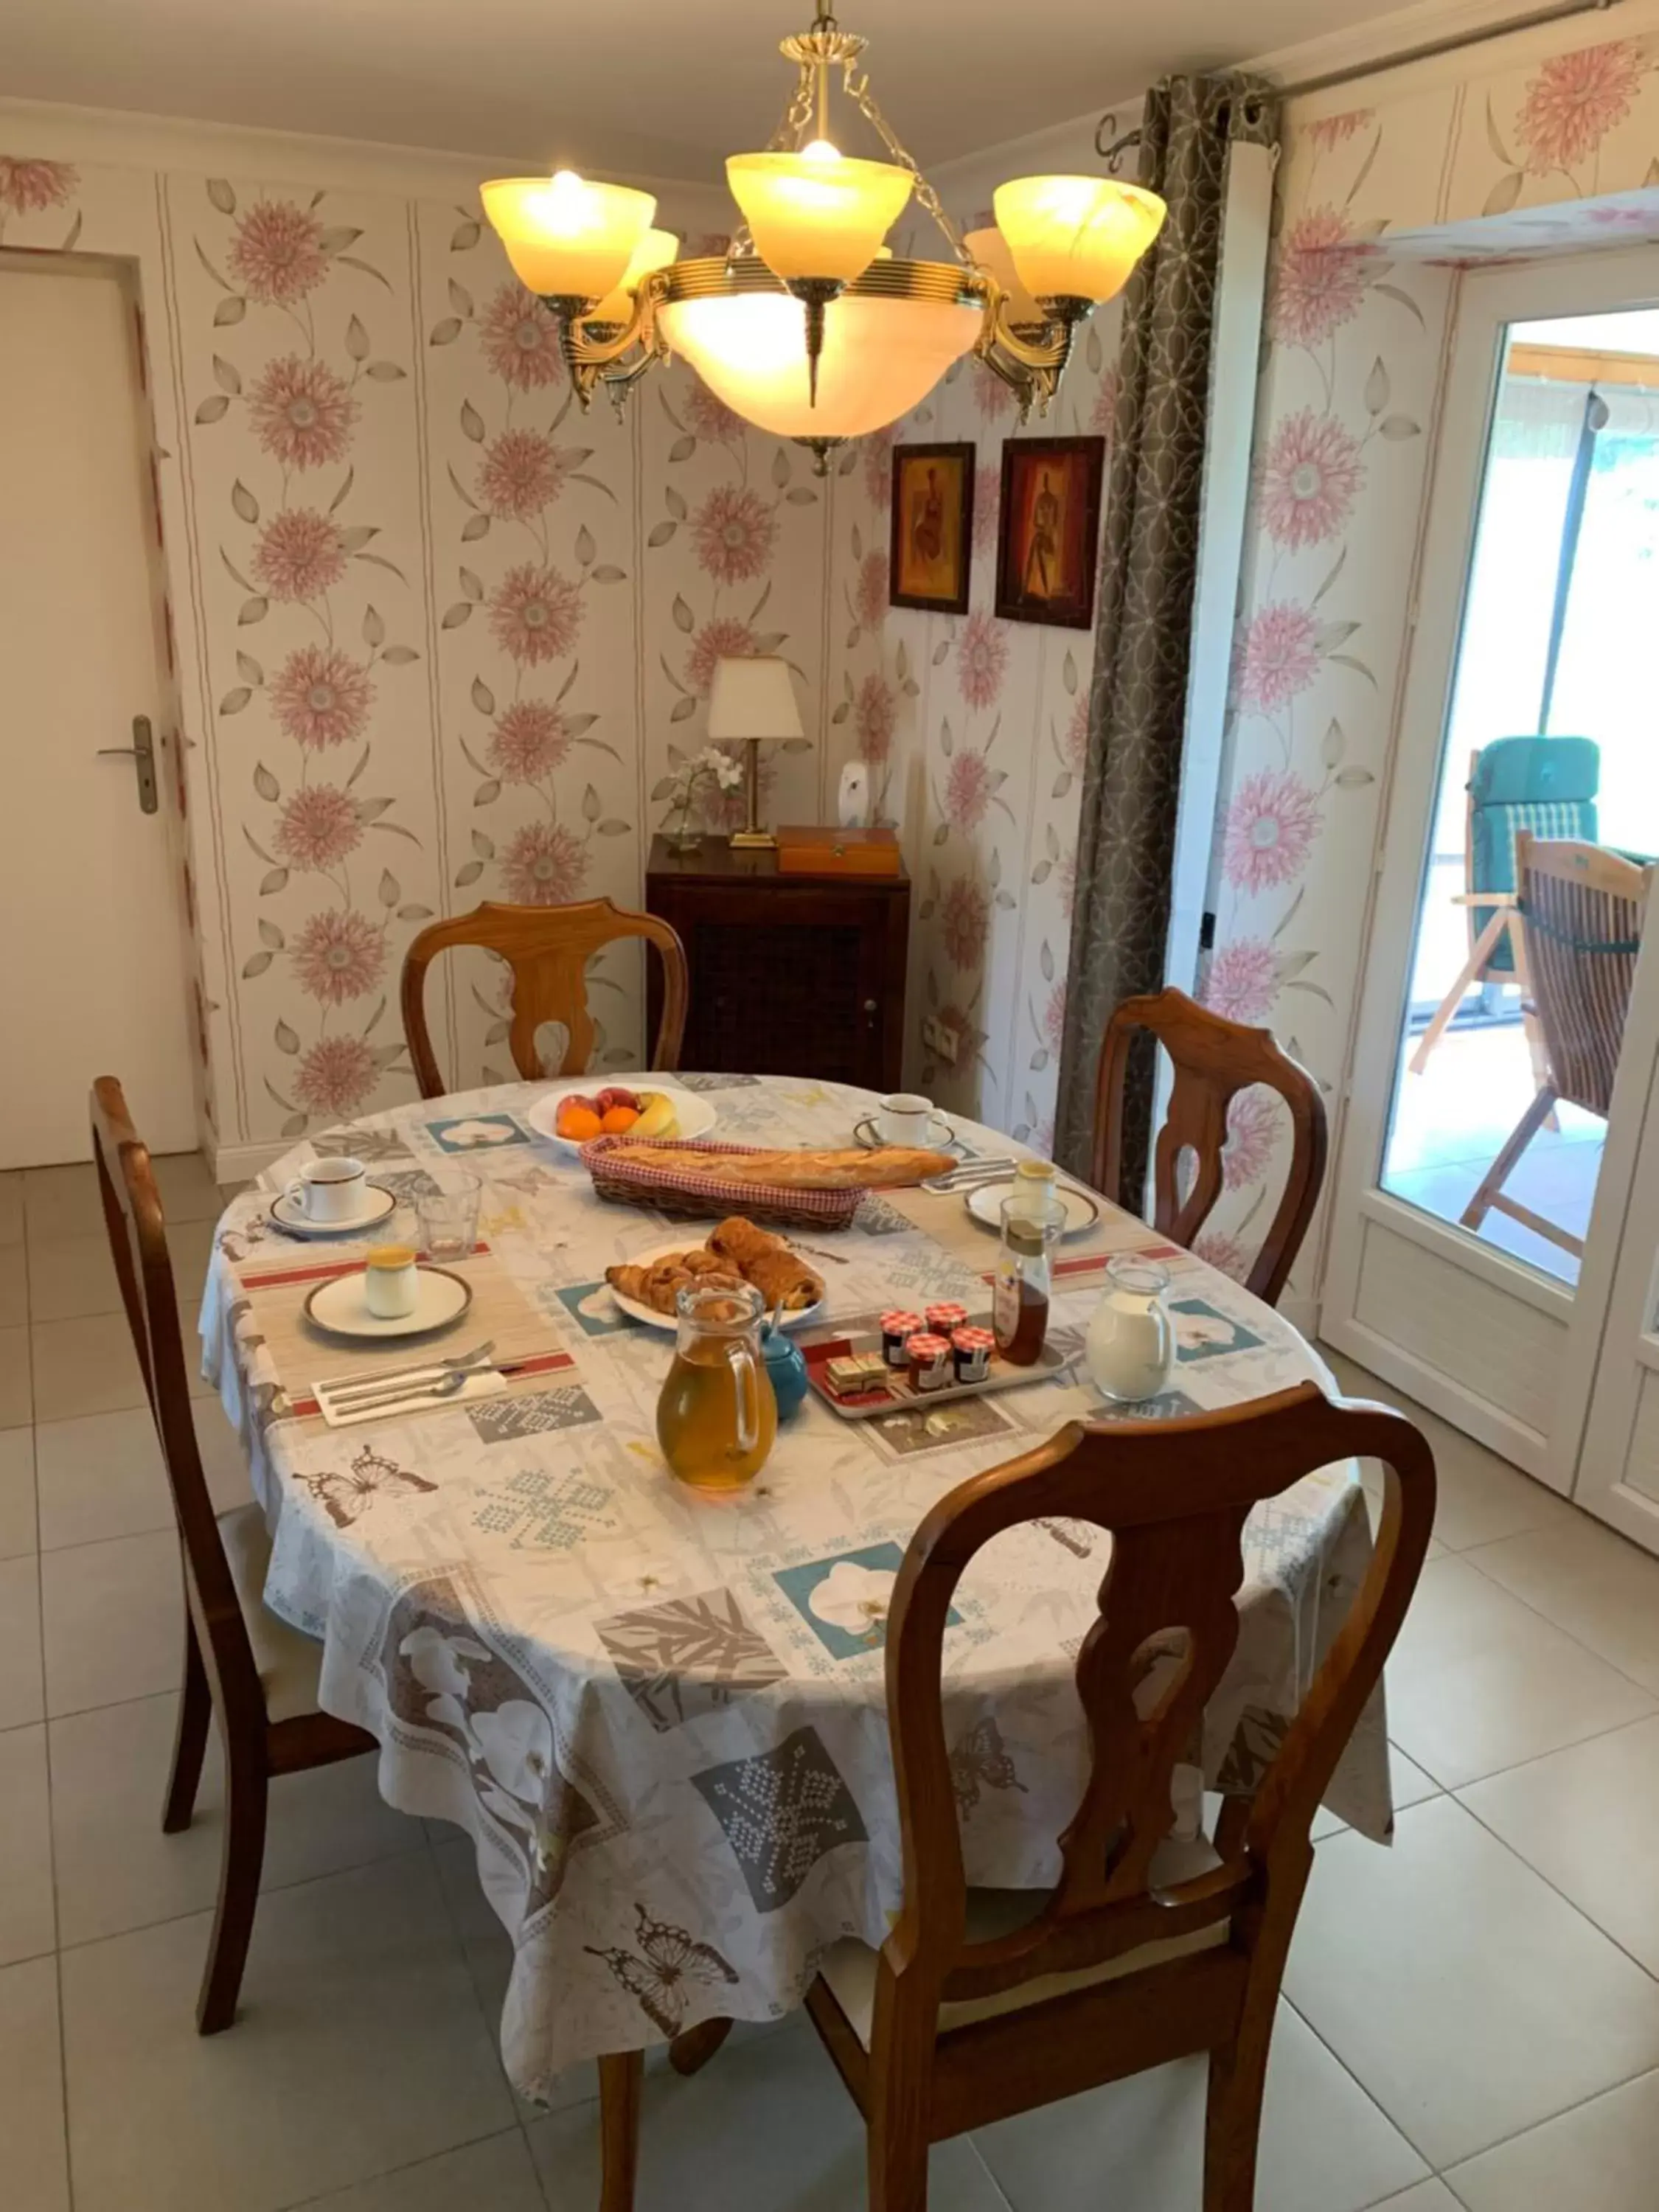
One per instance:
(1379, 208)
(440, 635)
(976, 728)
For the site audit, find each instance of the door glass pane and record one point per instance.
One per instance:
(1515, 1012)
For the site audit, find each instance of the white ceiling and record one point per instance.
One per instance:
(663, 87)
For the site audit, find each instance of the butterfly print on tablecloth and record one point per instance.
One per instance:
(981, 1757)
(346, 1498)
(660, 1972)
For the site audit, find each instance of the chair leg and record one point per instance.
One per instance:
(1232, 2119)
(1470, 973)
(1504, 1166)
(190, 1738)
(690, 2053)
(621, 2078)
(246, 1792)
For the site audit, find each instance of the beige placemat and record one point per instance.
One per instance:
(527, 1343)
(1078, 1261)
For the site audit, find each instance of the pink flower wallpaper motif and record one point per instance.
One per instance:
(321, 697)
(29, 187)
(298, 555)
(544, 864)
(981, 659)
(723, 638)
(1311, 474)
(1279, 656)
(1271, 825)
(1241, 979)
(734, 532)
(964, 923)
(277, 252)
(302, 413)
(530, 739)
(1319, 281)
(1574, 99)
(967, 790)
(520, 340)
(875, 716)
(521, 475)
(536, 614)
(297, 386)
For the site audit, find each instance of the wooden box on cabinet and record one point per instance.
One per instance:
(790, 975)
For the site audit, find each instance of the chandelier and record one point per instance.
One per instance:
(809, 326)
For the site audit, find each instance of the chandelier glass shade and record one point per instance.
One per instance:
(809, 326)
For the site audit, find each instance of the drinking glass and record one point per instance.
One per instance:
(449, 1215)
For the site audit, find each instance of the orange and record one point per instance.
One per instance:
(578, 1123)
(619, 1119)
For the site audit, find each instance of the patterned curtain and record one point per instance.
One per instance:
(1148, 565)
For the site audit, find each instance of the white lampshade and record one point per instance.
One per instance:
(1076, 237)
(565, 237)
(753, 698)
(814, 214)
(881, 357)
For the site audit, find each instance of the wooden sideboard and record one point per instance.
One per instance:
(790, 975)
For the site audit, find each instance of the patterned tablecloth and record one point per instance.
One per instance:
(661, 1718)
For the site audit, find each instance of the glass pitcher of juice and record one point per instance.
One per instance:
(717, 1416)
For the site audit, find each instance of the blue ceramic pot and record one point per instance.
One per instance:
(787, 1370)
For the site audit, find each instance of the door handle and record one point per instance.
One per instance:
(142, 753)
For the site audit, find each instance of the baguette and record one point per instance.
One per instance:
(887, 1167)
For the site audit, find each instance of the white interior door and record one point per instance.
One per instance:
(1618, 1472)
(90, 975)
(1535, 603)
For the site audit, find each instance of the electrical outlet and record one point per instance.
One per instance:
(939, 1038)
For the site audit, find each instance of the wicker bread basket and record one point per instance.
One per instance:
(703, 1197)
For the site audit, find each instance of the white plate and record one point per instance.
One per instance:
(341, 1307)
(940, 1133)
(652, 1319)
(382, 1206)
(692, 1112)
(985, 1203)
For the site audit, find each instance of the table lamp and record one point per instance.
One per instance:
(750, 701)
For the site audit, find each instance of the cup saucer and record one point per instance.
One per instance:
(378, 1205)
(939, 1132)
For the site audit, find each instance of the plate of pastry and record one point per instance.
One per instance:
(647, 1287)
(574, 1112)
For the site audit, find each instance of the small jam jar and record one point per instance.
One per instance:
(930, 1361)
(391, 1286)
(942, 1320)
(971, 1350)
(897, 1328)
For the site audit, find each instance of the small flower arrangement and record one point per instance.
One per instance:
(711, 771)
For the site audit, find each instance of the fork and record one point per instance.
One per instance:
(969, 1171)
(406, 1394)
(345, 1389)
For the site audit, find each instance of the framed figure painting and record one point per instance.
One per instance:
(933, 527)
(1048, 537)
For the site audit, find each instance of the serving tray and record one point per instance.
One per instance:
(895, 1394)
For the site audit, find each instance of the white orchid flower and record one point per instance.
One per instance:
(855, 1599)
(516, 1740)
(438, 1662)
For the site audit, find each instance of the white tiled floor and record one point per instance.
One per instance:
(1471, 2019)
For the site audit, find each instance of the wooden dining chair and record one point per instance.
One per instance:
(1214, 1059)
(548, 948)
(982, 2004)
(243, 1666)
(1584, 909)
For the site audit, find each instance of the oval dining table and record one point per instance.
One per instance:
(661, 1717)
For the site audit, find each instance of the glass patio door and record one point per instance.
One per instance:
(1509, 1017)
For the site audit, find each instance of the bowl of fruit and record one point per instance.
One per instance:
(572, 1114)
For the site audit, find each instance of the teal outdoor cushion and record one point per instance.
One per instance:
(1544, 785)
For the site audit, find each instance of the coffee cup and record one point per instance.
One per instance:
(905, 1119)
(329, 1190)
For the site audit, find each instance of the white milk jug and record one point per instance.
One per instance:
(1130, 1348)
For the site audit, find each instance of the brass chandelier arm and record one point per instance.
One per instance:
(595, 352)
(1030, 361)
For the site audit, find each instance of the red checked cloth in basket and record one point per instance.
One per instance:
(636, 1184)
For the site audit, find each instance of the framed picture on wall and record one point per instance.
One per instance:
(933, 528)
(1049, 535)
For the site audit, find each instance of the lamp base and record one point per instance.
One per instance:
(752, 841)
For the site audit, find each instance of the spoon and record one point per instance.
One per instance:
(392, 1394)
(478, 1355)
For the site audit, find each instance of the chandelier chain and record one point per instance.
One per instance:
(857, 89)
